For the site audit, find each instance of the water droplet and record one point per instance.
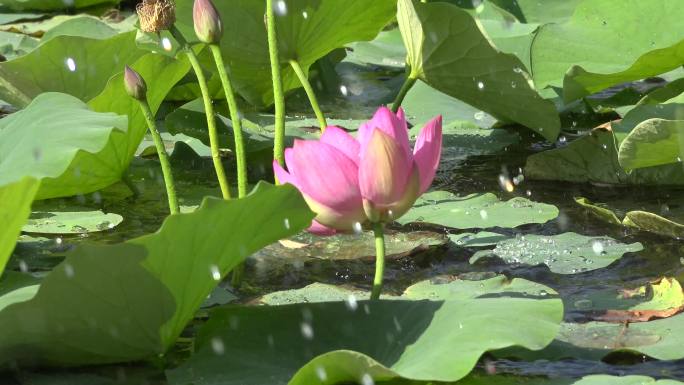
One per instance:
(305, 15)
(166, 44)
(287, 223)
(344, 90)
(480, 85)
(217, 346)
(367, 380)
(281, 8)
(71, 64)
(69, 270)
(215, 273)
(483, 214)
(479, 115)
(351, 302)
(358, 229)
(307, 330)
(23, 266)
(597, 246)
(321, 373)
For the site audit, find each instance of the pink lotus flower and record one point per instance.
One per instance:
(374, 178)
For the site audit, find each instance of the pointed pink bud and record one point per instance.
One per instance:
(384, 170)
(135, 84)
(427, 151)
(207, 20)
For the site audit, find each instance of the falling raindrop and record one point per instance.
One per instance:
(351, 302)
(344, 90)
(305, 15)
(23, 266)
(480, 85)
(367, 380)
(71, 64)
(307, 330)
(287, 223)
(69, 270)
(281, 8)
(166, 44)
(358, 229)
(483, 214)
(597, 246)
(321, 373)
(215, 273)
(217, 346)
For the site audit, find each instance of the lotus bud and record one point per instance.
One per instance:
(207, 19)
(135, 84)
(156, 15)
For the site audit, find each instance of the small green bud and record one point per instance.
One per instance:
(207, 20)
(135, 84)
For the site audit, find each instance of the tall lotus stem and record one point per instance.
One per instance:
(209, 30)
(137, 89)
(405, 88)
(208, 110)
(309, 93)
(378, 232)
(278, 96)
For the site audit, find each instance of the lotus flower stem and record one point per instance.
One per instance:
(235, 118)
(278, 95)
(379, 232)
(405, 88)
(310, 93)
(208, 110)
(163, 157)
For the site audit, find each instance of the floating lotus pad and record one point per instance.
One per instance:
(71, 222)
(477, 211)
(567, 253)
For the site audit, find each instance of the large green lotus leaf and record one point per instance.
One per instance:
(84, 26)
(594, 158)
(578, 82)
(307, 31)
(535, 11)
(447, 50)
(378, 340)
(16, 201)
(477, 211)
(653, 142)
(567, 253)
(130, 301)
(73, 65)
(53, 5)
(61, 142)
(423, 103)
(6, 18)
(594, 38)
(660, 339)
(161, 73)
(14, 44)
(386, 50)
